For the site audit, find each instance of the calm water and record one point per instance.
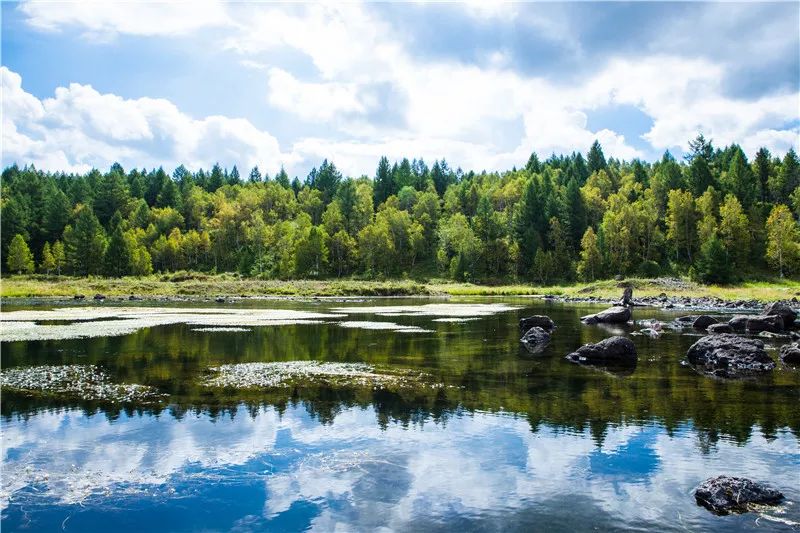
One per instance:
(515, 441)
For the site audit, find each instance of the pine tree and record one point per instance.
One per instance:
(595, 160)
(255, 175)
(85, 243)
(384, 187)
(118, 256)
(20, 258)
(48, 263)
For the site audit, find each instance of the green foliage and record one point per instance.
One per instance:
(712, 265)
(571, 214)
(20, 258)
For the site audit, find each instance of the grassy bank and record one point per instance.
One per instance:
(202, 285)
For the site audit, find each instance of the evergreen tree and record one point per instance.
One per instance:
(48, 262)
(20, 258)
(282, 179)
(85, 243)
(712, 265)
(216, 179)
(255, 175)
(384, 187)
(595, 160)
(762, 166)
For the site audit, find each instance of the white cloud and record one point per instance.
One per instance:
(80, 128)
(104, 19)
(439, 108)
(313, 101)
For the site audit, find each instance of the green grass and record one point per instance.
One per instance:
(206, 285)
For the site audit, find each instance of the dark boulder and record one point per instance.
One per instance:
(756, 323)
(724, 494)
(79, 297)
(610, 351)
(703, 321)
(99, 296)
(612, 315)
(790, 354)
(537, 321)
(688, 319)
(784, 311)
(220, 300)
(535, 339)
(729, 356)
(719, 328)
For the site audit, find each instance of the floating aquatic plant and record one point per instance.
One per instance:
(289, 373)
(86, 382)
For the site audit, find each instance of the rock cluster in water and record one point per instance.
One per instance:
(725, 494)
(84, 382)
(729, 356)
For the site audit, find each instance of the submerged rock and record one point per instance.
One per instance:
(719, 328)
(535, 339)
(540, 321)
(790, 354)
(703, 321)
(784, 311)
(725, 494)
(613, 351)
(729, 356)
(612, 315)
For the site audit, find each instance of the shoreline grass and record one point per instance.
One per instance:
(207, 285)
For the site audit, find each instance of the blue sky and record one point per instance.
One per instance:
(482, 85)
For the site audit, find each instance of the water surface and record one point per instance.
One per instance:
(509, 441)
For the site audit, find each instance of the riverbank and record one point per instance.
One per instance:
(660, 290)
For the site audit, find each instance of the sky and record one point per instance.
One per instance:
(479, 84)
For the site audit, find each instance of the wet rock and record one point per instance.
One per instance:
(725, 494)
(790, 354)
(729, 356)
(719, 328)
(688, 319)
(756, 323)
(703, 321)
(535, 339)
(650, 332)
(784, 311)
(133, 298)
(613, 351)
(539, 321)
(99, 296)
(220, 300)
(79, 297)
(613, 315)
(770, 335)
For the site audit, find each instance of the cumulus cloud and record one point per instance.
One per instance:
(488, 116)
(80, 128)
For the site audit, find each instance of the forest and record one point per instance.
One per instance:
(712, 215)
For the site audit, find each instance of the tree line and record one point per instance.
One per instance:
(713, 215)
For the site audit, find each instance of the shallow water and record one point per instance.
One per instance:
(493, 437)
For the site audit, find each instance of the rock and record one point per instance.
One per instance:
(627, 297)
(133, 298)
(703, 321)
(784, 311)
(613, 350)
(756, 323)
(99, 296)
(725, 494)
(790, 354)
(719, 328)
(539, 321)
(220, 300)
(613, 315)
(619, 277)
(729, 356)
(535, 339)
(79, 297)
(650, 332)
(770, 335)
